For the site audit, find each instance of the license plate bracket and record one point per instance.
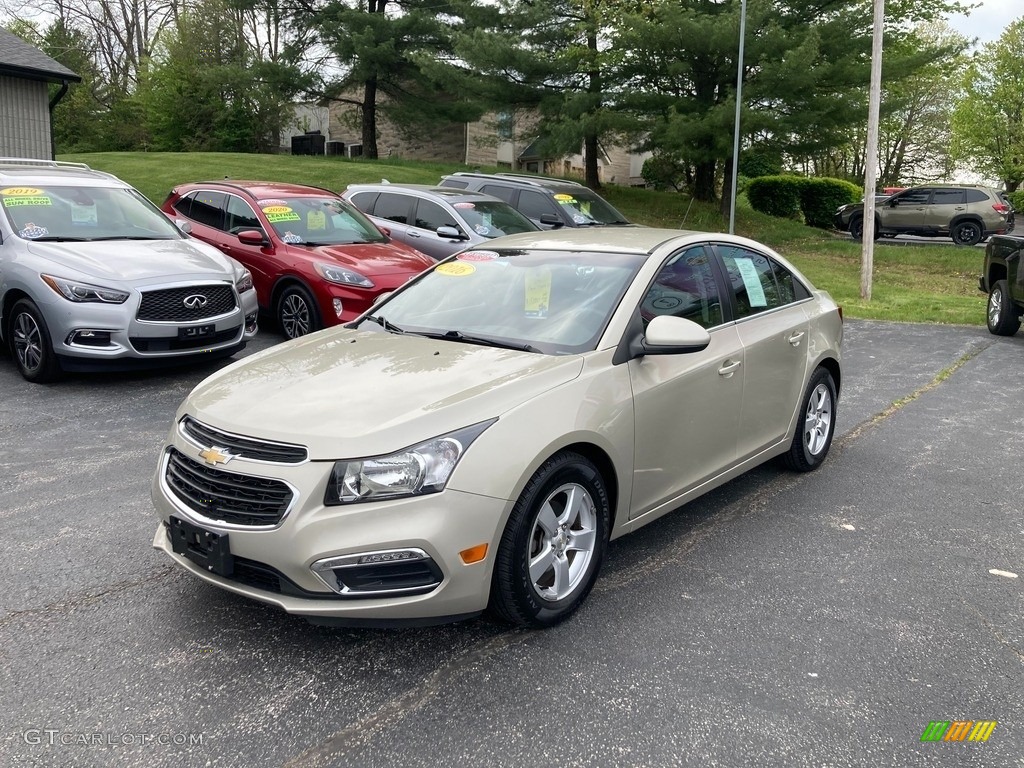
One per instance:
(207, 549)
(197, 331)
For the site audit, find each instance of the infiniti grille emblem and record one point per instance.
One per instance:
(195, 301)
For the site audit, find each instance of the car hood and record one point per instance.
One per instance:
(141, 261)
(346, 393)
(374, 259)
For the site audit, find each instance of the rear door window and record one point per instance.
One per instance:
(393, 207)
(503, 193)
(208, 208)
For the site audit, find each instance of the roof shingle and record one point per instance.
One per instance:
(21, 59)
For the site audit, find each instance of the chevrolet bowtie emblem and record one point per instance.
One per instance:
(215, 456)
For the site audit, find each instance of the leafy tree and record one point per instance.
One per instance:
(988, 121)
(378, 44)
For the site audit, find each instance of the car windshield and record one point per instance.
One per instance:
(491, 218)
(54, 213)
(584, 207)
(319, 221)
(543, 301)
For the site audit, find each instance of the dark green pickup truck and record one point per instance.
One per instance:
(1003, 280)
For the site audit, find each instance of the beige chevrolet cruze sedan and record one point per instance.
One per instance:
(477, 438)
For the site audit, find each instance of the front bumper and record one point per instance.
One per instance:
(439, 525)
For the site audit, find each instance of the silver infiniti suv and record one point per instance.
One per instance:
(93, 275)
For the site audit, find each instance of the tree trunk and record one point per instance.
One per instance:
(704, 182)
(370, 119)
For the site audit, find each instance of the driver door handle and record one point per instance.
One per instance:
(729, 368)
(795, 338)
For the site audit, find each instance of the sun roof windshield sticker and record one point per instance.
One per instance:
(751, 281)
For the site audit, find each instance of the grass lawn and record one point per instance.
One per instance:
(928, 283)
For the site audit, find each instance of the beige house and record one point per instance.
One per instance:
(505, 139)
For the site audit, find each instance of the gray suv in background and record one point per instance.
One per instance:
(435, 220)
(93, 275)
(549, 203)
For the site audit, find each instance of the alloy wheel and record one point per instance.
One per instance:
(28, 341)
(995, 304)
(562, 542)
(295, 316)
(818, 419)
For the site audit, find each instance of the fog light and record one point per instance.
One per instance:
(87, 337)
(250, 323)
(337, 307)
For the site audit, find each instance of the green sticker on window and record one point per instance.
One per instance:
(274, 218)
(12, 202)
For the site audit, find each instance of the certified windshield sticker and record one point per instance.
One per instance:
(565, 198)
(538, 293)
(268, 203)
(482, 230)
(291, 238)
(275, 218)
(477, 255)
(84, 215)
(14, 202)
(456, 269)
(316, 220)
(31, 231)
(751, 281)
(21, 191)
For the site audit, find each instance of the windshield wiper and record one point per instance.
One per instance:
(384, 323)
(57, 239)
(485, 341)
(124, 237)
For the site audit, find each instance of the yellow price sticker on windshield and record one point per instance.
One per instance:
(538, 293)
(21, 191)
(456, 269)
(316, 220)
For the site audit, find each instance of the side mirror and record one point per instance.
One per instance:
(184, 226)
(451, 233)
(550, 220)
(668, 335)
(251, 237)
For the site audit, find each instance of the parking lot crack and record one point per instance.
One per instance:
(898, 405)
(394, 711)
(76, 601)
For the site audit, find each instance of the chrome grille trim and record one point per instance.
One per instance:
(241, 446)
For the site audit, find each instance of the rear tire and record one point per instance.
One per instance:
(967, 233)
(31, 345)
(816, 423)
(1002, 316)
(553, 545)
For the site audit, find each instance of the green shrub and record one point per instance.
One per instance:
(820, 197)
(1017, 199)
(775, 195)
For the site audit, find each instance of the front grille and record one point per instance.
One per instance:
(226, 496)
(245, 447)
(168, 305)
(173, 344)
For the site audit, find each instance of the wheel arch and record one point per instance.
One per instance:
(996, 272)
(605, 466)
(286, 281)
(10, 298)
(831, 365)
(971, 217)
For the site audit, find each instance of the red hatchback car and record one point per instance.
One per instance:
(315, 259)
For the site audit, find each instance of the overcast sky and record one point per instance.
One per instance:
(988, 21)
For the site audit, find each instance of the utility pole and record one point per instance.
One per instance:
(867, 261)
(736, 123)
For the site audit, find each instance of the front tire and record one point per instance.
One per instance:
(816, 424)
(967, 233)
(31, 345)
(553, 545)
(296, 312)
(1002, 314)
(857, 228)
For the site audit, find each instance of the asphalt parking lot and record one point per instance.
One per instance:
(790, 620)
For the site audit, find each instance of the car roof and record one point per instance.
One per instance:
(614, 239)
(260, 189)
(450, 194)
(21, 170)
(520, 179)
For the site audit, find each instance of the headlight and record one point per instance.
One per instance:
(243, 282)
(83, 292)
(421, 469)
(335, 274)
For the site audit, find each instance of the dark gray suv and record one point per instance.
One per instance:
(549, 203)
